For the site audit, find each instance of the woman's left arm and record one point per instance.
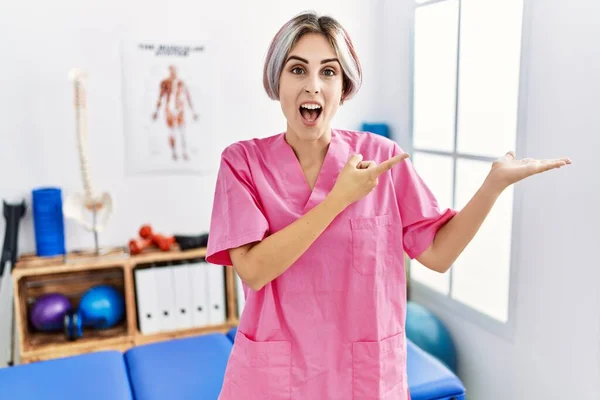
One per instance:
(454, 236)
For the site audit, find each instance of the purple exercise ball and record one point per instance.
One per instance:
(48, 312)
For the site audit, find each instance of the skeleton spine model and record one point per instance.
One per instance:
(77, 205)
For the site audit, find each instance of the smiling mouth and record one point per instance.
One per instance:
(310, 115)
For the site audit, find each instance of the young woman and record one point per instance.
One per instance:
(316, 221)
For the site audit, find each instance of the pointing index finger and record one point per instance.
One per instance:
(389, 164)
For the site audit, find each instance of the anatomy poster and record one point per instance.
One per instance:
(169, 106)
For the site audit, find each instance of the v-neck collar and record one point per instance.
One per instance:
(294, 181)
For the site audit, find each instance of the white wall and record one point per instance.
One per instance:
(42, 41)
(395, 43)
(555, 350)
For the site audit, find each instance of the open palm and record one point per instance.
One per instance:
(508, 170)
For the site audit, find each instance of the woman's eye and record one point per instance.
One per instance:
(329, 72)
(297, 70)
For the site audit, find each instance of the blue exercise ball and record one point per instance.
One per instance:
(428, 332)
(102, 307)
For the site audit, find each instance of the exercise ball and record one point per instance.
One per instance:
(428, 332)
(48, 311)
(101, 307)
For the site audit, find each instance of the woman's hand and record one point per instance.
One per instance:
(358, 178)
(507, 170)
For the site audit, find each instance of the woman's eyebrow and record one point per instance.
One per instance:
(325, 61)
(305, 61)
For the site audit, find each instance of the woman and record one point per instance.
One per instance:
(316, 221)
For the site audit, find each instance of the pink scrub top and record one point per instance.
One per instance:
(332, 325)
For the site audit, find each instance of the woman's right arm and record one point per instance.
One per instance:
(259, 263)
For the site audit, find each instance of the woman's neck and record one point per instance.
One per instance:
(309, 152)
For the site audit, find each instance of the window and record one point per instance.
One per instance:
(466, 73)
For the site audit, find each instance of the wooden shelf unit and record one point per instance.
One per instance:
(73, 275)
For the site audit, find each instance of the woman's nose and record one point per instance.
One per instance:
(312, 86)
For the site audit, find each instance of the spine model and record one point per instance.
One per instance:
(78, 78)
(77, 204)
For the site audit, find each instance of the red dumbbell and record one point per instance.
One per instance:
(162, 242)
(136, 246)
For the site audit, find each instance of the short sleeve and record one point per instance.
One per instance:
(237, 216)
(421, 214)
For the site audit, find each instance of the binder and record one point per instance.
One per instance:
(197, 271)
(166, 298)
(216, 294)
(241, 296)
(182, 286)
(147, 305)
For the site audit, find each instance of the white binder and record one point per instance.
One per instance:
(147, 305)
(166, 298)
(241, 297)
(182, 285)
(6, 316)
(197, 271)
(216, 294)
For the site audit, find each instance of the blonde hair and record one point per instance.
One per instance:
(288, 36)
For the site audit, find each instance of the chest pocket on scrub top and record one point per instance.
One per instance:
(371, 241)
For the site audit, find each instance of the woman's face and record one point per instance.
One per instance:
(310, 87)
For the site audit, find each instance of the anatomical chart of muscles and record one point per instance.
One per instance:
(169, 109)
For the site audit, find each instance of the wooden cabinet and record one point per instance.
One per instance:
(73, 275)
